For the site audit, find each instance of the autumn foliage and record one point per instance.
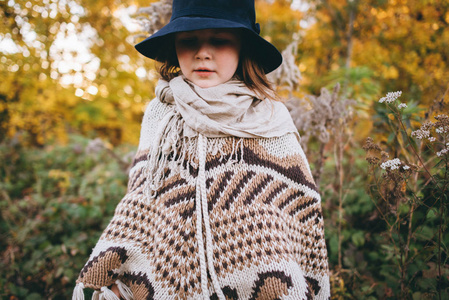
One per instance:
(72, 95)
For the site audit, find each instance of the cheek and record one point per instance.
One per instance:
(230, 61)
(183, 58)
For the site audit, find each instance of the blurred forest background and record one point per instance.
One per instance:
(72, 95)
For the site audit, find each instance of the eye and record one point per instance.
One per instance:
(220, 41)
(187, 41)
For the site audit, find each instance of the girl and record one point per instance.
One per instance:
(221, 203)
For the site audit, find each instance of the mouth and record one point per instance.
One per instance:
(203, 72)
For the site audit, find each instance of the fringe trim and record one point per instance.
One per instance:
(78, 292)
(166, 143)
(125, 292)
(107, 294)
(170, 149)
(96, 295)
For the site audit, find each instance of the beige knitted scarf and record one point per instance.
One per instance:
(229, 109)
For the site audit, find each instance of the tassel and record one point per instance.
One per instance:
(96, 295)
(125, 292)
(78, 293)
(107, 294)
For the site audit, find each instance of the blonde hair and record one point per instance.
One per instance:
(249, 71)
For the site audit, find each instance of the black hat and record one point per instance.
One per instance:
(188, 15)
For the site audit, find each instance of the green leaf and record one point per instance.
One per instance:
(358, 238)
(34, 296)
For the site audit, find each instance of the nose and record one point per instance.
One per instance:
(204, 51)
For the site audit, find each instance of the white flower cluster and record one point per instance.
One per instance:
(427, 125)
(432, 139)
(444, 151)
(393, 164)
(421, 134)
(442, 129)
(391, 97)
(441, 117)
(402, 105)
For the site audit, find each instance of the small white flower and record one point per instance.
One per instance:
(432, 139)
(442, 152)
(406, 167)
(402, 105)
(421, 134)
(393, 164)
(442, 130)
(427, 125)
(391, 97)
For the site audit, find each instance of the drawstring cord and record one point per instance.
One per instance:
(199, 224)
(164, 142)
(201, 208)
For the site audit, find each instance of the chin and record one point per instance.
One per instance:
(205, 84)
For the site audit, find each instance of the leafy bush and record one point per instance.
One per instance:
(55, 203)
(411, 195)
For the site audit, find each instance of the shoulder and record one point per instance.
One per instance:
(156, 109)
(287, 151)
(282, 146)
(154, 113)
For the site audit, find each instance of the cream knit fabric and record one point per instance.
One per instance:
(229, 109)
(231, 218)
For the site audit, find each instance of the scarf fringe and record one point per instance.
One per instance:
(177, 155)
(173, 152)
(78, 292)
(125, 292)
(107, 294)
(96, 295)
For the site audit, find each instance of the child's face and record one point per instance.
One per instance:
(208, 57)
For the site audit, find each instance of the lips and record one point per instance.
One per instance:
(203, 71)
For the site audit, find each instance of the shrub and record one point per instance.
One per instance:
(55, 203)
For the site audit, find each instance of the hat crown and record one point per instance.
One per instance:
(240, 11)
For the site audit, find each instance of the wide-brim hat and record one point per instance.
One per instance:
(189, 15)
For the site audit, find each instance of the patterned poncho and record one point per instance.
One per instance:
(232, 218)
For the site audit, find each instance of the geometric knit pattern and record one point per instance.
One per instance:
(265, 221)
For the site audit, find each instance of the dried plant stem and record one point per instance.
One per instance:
(440, 228)
(407, 250)
(398, 117)
(338, 152)
(319, 165)
(439, 280)
(383, 198)
(397, 223)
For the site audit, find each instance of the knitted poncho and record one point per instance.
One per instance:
(238, 218)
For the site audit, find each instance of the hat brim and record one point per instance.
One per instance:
(263, 51)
